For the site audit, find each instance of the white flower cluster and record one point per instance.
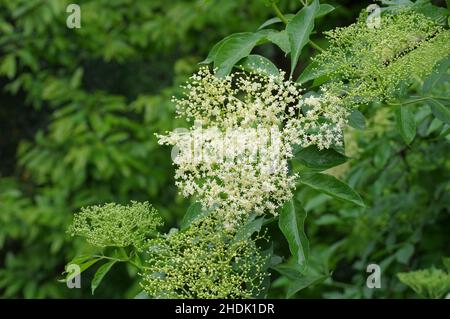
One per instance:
(320, 123)
(238, 162)
(239, 171)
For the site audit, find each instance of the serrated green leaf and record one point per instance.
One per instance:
(281, 40)
(299, 29)
(324, 9)
(292, 225)
(100, 274)
(406, 123)
(233, 49)
(258, 64)
(213, 52)
(332, 186)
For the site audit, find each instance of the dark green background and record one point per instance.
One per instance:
(78, 113)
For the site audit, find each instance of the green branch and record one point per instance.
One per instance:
(421, 99)
(278, 13)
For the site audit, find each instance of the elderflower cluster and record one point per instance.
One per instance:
(116, 225)
(235, 156)
(203, 262)
(367, 64)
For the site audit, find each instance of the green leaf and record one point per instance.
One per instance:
(435, 125)
(404, 254)
(303, 283)
(311, 72)
(83, 261)
(320, 80)
(357, 120)
(280, 39)
(288, 271)
(324, 9)
(299, 29)
(213, 52)
(88, 264)
(332, 186)
(193, 213)
(319, 73)
(438, 75)
(80, 259)
(440, 111)
(100, 274)
(274, 21)
(406, 123)
(382, 155)
(8, 66)
(233, 49)
(435, 13)
(249, 229)
(292, 225)
(314, 158)
(258, 64)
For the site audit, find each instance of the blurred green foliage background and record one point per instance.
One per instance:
(78, 113)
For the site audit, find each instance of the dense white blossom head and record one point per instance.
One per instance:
(236, 155)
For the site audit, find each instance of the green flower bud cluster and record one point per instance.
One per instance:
(429, 283)
(367, 63)
(203, 261)
(117, 225)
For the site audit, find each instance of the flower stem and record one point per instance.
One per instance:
(315, 46)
